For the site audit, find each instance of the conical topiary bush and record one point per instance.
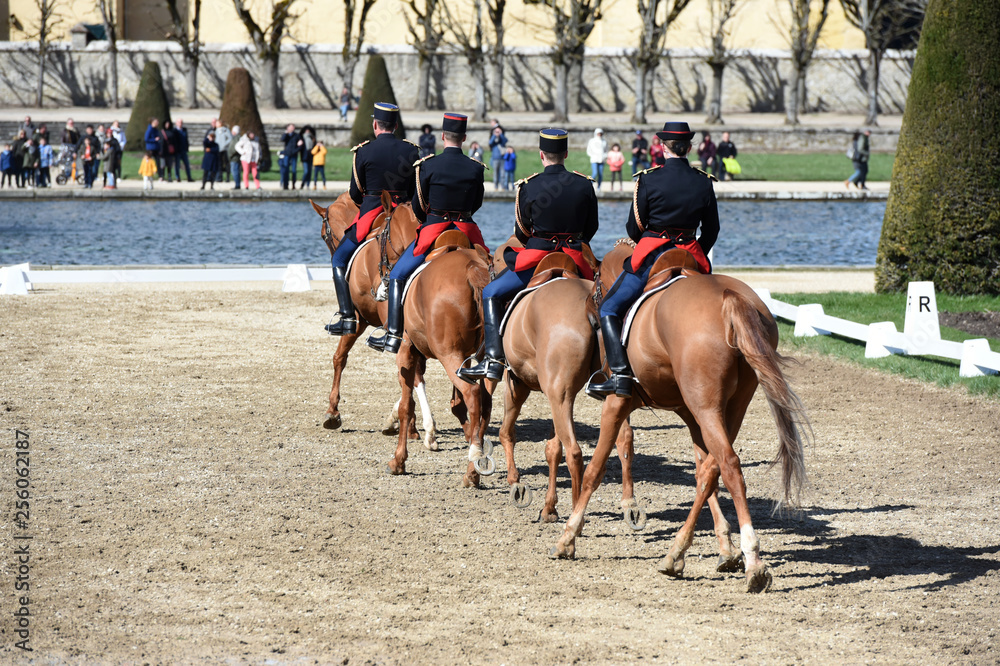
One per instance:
(150, 102)
(239, 107)
(942, 221)
(377, 88)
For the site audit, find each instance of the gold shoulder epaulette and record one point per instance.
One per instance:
(411, 143)
(480, 163)
(524, 180)
(645, 171)
(425, 157)
(583, 175)
(705, 173)
(355, 148)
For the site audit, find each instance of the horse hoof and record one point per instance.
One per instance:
(730, 564)
(395, 471)
(431, 445)
(414, 435)
(672, 567)
(521, 495)
(549, 517)
(561, 552)
(470, 480)
(635, 517)
(332, 421)
(759, 579)
(392, 429)
(485, 466)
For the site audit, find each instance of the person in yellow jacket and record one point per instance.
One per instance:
(319, 163)
(147, 169)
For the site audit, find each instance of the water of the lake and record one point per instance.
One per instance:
(766, 233)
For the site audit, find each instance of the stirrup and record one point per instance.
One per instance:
(618, 384)
(388, 342)
(346, 326)
(488, 368)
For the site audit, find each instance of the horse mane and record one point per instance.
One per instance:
(745, 331)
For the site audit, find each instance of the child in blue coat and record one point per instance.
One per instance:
(509, 167)
(6, 166)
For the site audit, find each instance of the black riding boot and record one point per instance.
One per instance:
(348, 324)
(393, 322)
(620, 381)
(491, 367)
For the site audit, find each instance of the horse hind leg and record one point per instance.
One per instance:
(430, 427)
(332, 419)
(635, 515)
(515, 395)
(407, 363)
(730, 557)
(466, 399)
(707, 484)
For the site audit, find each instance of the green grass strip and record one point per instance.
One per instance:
(870, 308)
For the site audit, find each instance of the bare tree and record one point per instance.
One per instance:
(107, 10)
(427, 32)
(572, 23)
(721, 13)
(803, 36)
(353, 41)
(495, 9)
(652, 38)
(883, 22)
(267, 41)
(49, 18)
(190, 44)
(468, 35)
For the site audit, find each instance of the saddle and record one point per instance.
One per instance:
(452, 240)
(669, 265)
(552, 266)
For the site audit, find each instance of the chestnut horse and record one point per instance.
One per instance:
(443, 319)
(366, 276)
(551, 346)
(699, 348)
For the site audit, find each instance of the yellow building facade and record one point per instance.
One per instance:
(759, 24)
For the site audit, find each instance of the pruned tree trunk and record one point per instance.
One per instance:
(715, 105)
(350, 64)
(113, 52)
(792, 99)
(423, 84)
(561, 110)
(575, 85)
(874, 67)
(269, 81)
(496, 82)
(39, 96)
(643, 73)
(191, 84)
(479, 77)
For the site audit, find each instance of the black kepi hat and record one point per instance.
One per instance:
(553, 141)
(454, 122)
(675, 131)
(387, 113)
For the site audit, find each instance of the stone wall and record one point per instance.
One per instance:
(756, 80)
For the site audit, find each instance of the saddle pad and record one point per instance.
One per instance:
(519, 297)
(350, 262)
(638, 303)
(413, 276)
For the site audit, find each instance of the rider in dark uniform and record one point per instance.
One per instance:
(554, 211)
(449, 189)
(383, 164)
(669, 204)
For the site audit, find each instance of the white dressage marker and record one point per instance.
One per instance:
(296, 278)
(884, 340)
(14, 280)
(921, 326)
(978, 360)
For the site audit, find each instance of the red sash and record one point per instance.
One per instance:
(527, 258)
(428, 233)
(648, 244)
(363, 223)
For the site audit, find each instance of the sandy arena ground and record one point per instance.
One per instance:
(187, 506)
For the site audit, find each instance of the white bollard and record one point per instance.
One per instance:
(296, 278)
(13, 281)
(807, 314)
(921, 326)
(974, 353)
(883, 340)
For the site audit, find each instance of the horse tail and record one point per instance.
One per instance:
(745, 331)
(477, 274)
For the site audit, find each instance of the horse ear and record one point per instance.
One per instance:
(319, 209)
